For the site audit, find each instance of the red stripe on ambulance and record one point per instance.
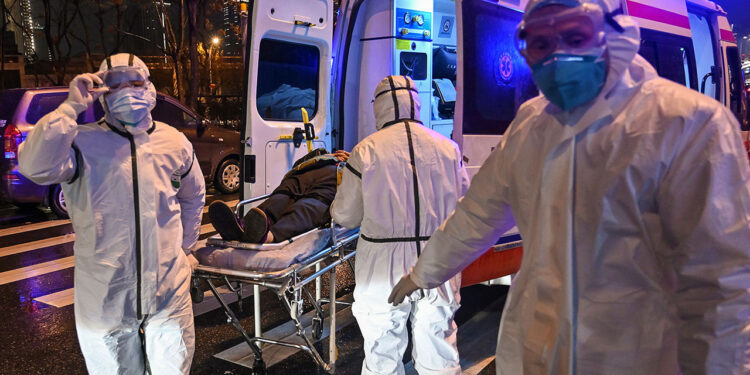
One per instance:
(658, 15)
(727, 36)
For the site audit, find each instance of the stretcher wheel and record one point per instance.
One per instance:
(196, 293)
(259, 367)
(317, 327)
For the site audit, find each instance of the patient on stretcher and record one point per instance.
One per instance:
(300, 203)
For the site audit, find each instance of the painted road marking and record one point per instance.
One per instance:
(231, 204)
(61, 298)
(55, 223)
(35, 245)
(30, 227)
(58, 299)
(59, 264)
(207, 228)
(36, 270)
(61, 240)
(67, 297)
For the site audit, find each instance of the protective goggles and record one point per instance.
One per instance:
(119, 77)
(573, 31)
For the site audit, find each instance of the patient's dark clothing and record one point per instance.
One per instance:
(301, 202)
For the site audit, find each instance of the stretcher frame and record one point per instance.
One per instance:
(289, 285)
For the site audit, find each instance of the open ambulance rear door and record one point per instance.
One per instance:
(735, 96)
(691, 43)
(288, 67)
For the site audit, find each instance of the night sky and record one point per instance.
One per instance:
(739, 14)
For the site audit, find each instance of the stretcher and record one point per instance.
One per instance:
(503, 259)
(285, 268)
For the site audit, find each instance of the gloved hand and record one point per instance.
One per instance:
(404, 288)
(82, 92)
(192, 262)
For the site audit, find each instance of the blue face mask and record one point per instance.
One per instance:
(570, 80)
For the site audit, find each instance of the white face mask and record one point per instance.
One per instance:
(129, 106)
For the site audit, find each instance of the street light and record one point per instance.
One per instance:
(214, 42)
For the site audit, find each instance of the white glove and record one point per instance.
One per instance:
(82, 92)
(192, 262)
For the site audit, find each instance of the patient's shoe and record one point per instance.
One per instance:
(256, 226)
(224, 221)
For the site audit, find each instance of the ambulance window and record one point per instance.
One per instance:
(287, 80)
(673, 63)
(670, 55)
(735, 82)
(705, 58)
(496, 78)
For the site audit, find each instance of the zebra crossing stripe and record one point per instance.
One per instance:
(58, 299)
(30, 227)
(230, 204)
(61, 240)
(36, 270)
(36, 245)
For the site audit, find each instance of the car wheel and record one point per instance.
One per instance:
(57, 202)
(228, 176)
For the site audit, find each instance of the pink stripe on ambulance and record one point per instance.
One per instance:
(670, 16)
(726, 30)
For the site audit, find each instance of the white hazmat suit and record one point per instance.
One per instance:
(135, 197)
(400, 184)
(635, 214)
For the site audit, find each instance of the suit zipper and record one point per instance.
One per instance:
(136, 206)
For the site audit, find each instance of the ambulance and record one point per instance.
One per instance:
(461, 54)
(329, 57)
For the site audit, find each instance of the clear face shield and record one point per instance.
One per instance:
(573, 31)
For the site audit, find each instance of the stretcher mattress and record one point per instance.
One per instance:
(266, 257)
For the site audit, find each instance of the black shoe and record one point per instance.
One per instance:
(224, 221)
(256, 226)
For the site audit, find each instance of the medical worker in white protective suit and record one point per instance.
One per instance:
(400, 183)
(632, 195)
(135, 196)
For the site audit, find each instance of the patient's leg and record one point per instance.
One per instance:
(275, 205)
(258, 220)
(302, 216)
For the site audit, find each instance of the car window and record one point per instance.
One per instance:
(169, 113)
(189, 120)
(98, 110)
(42, 104)
(8, 102)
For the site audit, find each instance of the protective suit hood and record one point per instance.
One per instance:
(396, 100)
(622, 37)
(125, 60)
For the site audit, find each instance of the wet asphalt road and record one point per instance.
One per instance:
(39, 337)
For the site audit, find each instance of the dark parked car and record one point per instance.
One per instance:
(217, 148)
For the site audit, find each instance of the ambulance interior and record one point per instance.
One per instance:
(421, 39)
